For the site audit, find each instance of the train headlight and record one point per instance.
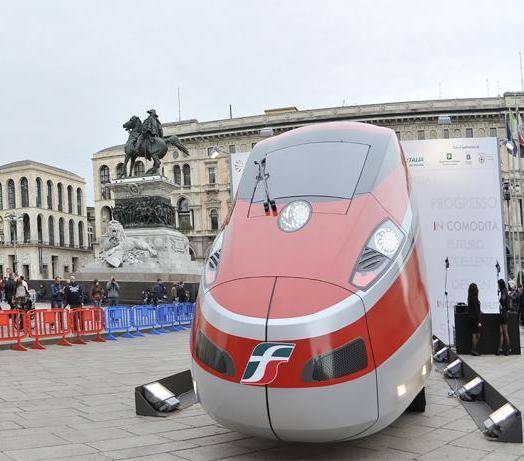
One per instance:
(378, 254)
(211, 268)
(294, 216)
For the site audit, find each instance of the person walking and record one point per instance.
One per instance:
(57, 294)
(159, 292)
(9, 290)
(21, 293)
(73, 294)
(113, 292)
(474, 313)
(181, 293)
(503, 319)
(97, 293)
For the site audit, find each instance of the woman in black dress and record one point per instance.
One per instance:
(503, 318)
(474, 313)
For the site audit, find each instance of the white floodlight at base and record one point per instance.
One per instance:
(499, 420)
(160, 397)
(266, 132)
(444, 120)
(436, 343)
(472, 390)
(441, 355)
(454, 369)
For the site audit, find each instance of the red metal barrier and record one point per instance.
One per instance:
(12, 328)
(47, 323)
(87, 321)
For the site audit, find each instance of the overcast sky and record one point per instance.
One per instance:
(71, 72)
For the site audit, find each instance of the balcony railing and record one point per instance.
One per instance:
(27, 243)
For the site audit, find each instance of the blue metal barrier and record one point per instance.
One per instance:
(145, 317)
(118, 319)
(185, 315)
(163, 317)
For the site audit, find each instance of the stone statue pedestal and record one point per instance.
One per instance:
(142, 243)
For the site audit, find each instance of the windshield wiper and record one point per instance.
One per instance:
(262, 176)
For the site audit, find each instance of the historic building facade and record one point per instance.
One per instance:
(43, 220)
(203, 196)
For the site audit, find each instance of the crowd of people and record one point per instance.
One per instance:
(511, 299)
(70, 293)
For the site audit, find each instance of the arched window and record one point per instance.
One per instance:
(104, 179)
(27, 228)
(184, 216)
(213, 218)
(39, 231)
(79, 201)
(13, 231)
(176, 174)
(69, 199)
(61, 232)
(11, 194)
(1, 198)
(38, 193)
(24, 192)
(60, 192)
(105, 217)
(49, 195)
(51, 230)
(186, 170)
(139, 169)
(71, 233)
(120, 170)
(81, 234)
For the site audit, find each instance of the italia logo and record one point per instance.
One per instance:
(262, 367)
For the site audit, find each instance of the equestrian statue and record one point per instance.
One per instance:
(147, 140)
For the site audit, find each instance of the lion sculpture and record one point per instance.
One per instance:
(117, 249)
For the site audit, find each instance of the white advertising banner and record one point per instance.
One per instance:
(457, 191)
(458, 197)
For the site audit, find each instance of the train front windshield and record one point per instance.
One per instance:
(329, 169)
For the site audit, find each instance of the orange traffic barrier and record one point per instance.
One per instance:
(12, 328)
(87, 321)
(47, 323)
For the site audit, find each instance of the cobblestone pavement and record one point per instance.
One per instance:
(78, 403)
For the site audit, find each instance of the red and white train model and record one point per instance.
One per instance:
(312, 322)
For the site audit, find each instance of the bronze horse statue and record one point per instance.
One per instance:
(155, 149)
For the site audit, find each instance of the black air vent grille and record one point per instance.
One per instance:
(343, 361)
(214, 357)
(370, 259)
(214, 259)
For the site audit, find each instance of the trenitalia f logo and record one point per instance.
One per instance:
(262, 367)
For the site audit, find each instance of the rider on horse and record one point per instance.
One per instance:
(151, 128)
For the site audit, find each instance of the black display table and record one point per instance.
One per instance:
(489, 333)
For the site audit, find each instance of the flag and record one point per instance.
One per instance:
(510, 143)
(520, 129)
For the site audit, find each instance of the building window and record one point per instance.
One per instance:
(13, 232)
(51, 230)
(398, 134)
(139, 169)
(49, 195)
(184, 216)
(69, 199)
(104, 179)
(105, 216)
(421, 135)
(446, 133)
(90, 236)
(26, 228)
(211, 174)
(232, 148)
(493, 132)
(176, 174)
(11, 194)
(39, 229)
(213, 218)
(120, 170)
(469, 132)
(61, 232)
(186, 170)
(38, 193)
(210, 151)
(60, 192)
(81, 234)
(79, 201)
(24, 191)
(71, 233)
